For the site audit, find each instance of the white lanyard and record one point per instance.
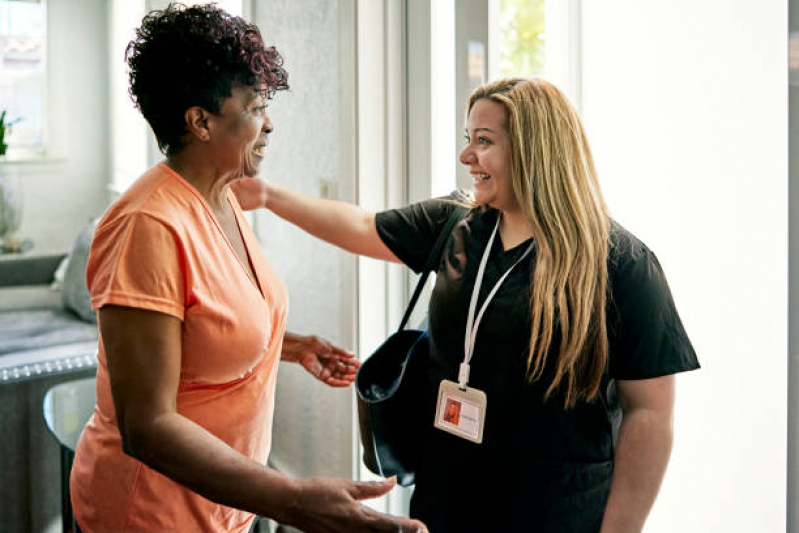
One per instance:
(471, 323)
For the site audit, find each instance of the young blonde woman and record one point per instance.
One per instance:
(552, 324)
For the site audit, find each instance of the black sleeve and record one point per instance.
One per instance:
(411, 232)
(645, 333)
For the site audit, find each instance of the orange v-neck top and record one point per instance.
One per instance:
(160, 248)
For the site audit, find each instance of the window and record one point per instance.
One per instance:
(537, 38)
(22, 72)
(521, 32)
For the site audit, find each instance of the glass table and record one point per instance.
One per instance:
(67, 407)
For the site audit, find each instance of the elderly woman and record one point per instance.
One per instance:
(191, 315)
(553, 322)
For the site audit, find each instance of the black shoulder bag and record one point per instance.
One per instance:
(390, 386)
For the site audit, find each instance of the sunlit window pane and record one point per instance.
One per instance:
(522, 37)
(22, 70)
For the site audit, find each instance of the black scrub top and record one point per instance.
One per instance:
(540, 467)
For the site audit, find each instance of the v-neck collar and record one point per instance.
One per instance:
(498, 244)
(512, 251)
(256, 282)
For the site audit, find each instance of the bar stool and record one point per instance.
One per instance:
(66, 409)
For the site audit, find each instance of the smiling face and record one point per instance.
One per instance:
(488, 155)
(239, 133)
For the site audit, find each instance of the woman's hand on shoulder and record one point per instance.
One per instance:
(250, 192)
(332, 504)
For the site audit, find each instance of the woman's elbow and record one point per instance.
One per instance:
(137, 439)
(655, 425)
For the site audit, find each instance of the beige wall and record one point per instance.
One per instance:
(313, 423)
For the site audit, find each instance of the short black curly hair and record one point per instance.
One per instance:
(194, 56)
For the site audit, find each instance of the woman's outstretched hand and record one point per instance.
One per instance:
(329, 364)
(329, 504)
(250, 192)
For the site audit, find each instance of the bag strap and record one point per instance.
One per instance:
(432, 261)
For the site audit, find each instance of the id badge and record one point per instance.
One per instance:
(461, 412)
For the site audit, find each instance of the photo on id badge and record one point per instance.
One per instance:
(452, 412)
(461, 412)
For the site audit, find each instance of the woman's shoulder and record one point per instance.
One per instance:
(157, 195)
(634, 270)
(625, 250)
(428, 215)
(443, 206)
(411, 232)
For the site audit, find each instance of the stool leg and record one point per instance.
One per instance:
(67, 520)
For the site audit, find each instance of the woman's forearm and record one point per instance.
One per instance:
(342, 224)
(642, 454)
(187, 453)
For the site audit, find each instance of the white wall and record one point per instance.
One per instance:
(685, 104)
(64, 193)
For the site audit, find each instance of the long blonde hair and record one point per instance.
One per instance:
(555, 183)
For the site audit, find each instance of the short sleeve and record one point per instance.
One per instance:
(137, 261)
(646, 336)
(411, 232)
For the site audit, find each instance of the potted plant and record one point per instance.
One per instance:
(5, 128)
(10, 198)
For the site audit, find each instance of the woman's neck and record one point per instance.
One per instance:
(514, 228)
(202, 177)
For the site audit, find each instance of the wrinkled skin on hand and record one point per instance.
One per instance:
(329, 364)
(328, 504)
